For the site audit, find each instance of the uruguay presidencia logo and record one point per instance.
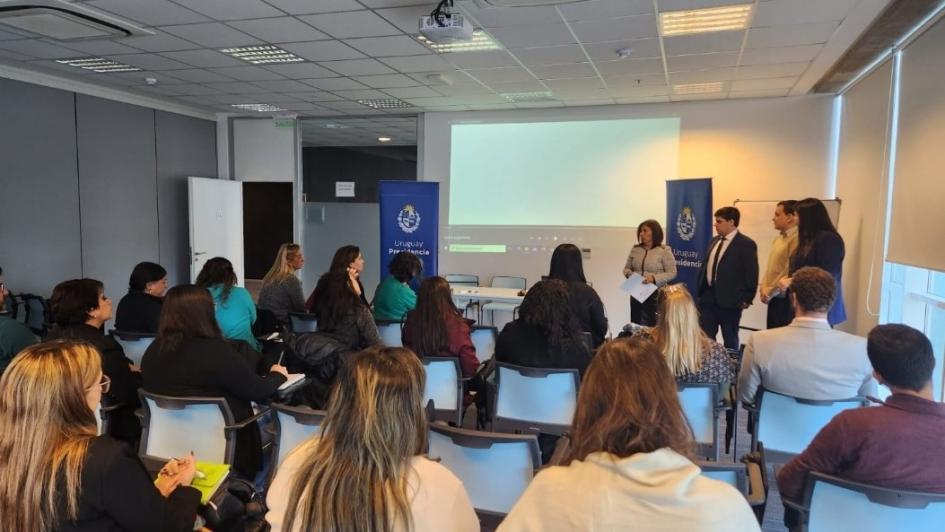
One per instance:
(408, 219)
(686, 224)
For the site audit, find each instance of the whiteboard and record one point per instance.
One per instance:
(756, 223)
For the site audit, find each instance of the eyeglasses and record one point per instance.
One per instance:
(106, 383)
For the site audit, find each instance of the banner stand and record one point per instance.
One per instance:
(410, 221)
(689, 226)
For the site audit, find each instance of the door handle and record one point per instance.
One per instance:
(197, 253)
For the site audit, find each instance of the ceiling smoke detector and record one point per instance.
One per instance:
(64, 21)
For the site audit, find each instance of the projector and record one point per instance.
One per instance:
(455, 27)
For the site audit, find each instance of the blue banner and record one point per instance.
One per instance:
(410, 221)
(689, 226)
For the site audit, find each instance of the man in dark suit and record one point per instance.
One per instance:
(728, 278)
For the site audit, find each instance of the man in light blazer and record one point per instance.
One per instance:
(728, 278)
(807, 358)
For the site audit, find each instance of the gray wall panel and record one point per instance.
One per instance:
(185, 147)
(118, 188)
(39, 215)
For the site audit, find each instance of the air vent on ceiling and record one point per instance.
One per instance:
(64, 21)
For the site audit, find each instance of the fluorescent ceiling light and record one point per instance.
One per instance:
(385, 103)
(258, 107)
(481, 41)
(383, 139)
(698, 88)
(538, 96)
(263, 54)
(724, 18)
(97, 64)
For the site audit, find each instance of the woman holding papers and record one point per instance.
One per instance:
(57, 474)
(655, 263)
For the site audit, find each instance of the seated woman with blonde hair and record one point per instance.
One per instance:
(281, 290)
(628, 465)
(366, 471)
(56, 474)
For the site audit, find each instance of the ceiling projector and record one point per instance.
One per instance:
(445, 28)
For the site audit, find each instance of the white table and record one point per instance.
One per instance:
(465, 294)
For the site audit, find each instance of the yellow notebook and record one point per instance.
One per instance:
(214, 475)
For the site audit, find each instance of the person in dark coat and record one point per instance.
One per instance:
(568, 266)
(140, 310)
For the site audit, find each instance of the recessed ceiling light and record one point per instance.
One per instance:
(258, 107)
(263, 54)
(383, 139)
(385, 103)
(537, 96)
(698, 88)
(481, 41)
(724, 18)
(97, 64)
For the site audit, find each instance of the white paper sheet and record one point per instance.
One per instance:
(637, 289)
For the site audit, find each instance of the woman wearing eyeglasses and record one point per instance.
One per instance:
(56, 474)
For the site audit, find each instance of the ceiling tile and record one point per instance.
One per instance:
(316, 96)
(99, 48)
(248, 73)
(642, 99)
(501, 75)
(698, 96)
(351, 24)
(793, 35)
(212, 35)
(462, 90)
(301, 71)
(701, 61)
(204, 58)
(194, 89)
(46, 65)
(639, 49)
(38, 49)
(641, 91)
(417, 63)
(331, 84)
(387, 81)
(677, 5)
(636, 81)
(518, 86)
(412, 92)
(629, 67)
(435, 100)
(763, 93)
(286, 85)
(199, 76)
(137, 78)
(407, 19)
(587, 102)
(492, 58)
(777, 70)
(149, 61)
(780, 12)
(305, 7)
(579, 84)
(533, 36)
(499, 17)
(762, 84)
(701, 76)
(323, 50)
(616, 29)
(550, 55)
(788, 54)
(458, 78)
(572, 70)
(278, 30)
(159, 42)
(231, 9)
(388, 46)
(604, 9)
(150, 12)
(723, 41)
(358, 67)
(362, 94)
(237, 87)
(394, 3)
(299, 106)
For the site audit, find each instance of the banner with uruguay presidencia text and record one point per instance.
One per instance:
(689, 226)
(410, 221)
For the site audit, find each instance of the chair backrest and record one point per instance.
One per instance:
(733, 474)
(133, 344)
(174, 426)
(36, 313)
(461, 279)
(484, 338)
(838, 505)
(505, 281)
(444, 387)
(535, 399)
(495, 468)
(391, 332)
(300, 322)
(700, 403)
(293, 424)
(787, 424)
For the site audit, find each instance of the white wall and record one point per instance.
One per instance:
(754, 149)
(263, 152)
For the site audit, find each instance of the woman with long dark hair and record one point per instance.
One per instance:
(349, 261)
(366, 470)
(819, 244)
(234, 307)
(567, 265)
(341, 313)
(57, 474)
(189, 357)
(655, 262)
(140, 309)
(437, 329)
(545, 334)
(628, 463)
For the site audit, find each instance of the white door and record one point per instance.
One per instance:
(216, 223)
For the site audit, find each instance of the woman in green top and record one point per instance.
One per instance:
(393, 298)
(233, 306)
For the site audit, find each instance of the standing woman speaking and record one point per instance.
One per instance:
(655, 262)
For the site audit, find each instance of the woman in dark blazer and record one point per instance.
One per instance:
(189, 357)
(819, 244)
(568, 266)
(140, 309)
(56, 474)
(80, 310)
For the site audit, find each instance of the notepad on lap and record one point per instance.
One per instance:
(214, 475)
(292, 380)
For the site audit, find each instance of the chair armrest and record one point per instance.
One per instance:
(795, 505)
(246, 422)
(113, 407)
(139, 413)
(756, 490)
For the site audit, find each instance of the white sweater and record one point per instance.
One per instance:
(658, 491)
(438, 501)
